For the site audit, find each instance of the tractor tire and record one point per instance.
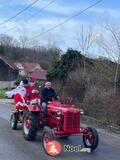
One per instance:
(13, 121)
(47, 132)
(95, 139)
(30, 126)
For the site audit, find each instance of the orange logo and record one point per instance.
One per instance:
(53, 148)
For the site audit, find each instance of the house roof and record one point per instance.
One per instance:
(28, 67)
(9, 62)
(39, 74)
(19, 66)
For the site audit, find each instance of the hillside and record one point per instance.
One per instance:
(93, 88)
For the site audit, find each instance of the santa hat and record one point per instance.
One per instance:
(33, 79)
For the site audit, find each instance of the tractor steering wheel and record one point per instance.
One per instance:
(52, 97)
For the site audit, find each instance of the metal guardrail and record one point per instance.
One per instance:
(100, 124)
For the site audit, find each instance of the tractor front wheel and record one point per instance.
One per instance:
(90, 139)
(47, 137)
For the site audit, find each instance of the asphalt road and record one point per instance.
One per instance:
(14, 147)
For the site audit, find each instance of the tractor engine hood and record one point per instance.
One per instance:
(57, 106)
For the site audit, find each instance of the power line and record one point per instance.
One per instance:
(41, 9)
(9, 19)
(68, 19)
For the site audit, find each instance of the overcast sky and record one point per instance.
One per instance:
(33, 22)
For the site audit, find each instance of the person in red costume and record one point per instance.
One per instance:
(34, 98)
(20, 98)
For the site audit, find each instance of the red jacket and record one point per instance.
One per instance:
(35, 94)
(20, 101)
(28, 91)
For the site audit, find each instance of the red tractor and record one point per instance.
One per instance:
(63, 120)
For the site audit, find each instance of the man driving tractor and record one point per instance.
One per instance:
(48, 94)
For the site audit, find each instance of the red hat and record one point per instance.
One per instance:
(33, 79)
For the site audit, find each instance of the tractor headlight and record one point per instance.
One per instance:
(81, 111)
(59, 112)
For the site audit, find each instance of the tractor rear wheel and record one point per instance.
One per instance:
(30, 126)
(91, 139)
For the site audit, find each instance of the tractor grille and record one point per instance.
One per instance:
(71, 122)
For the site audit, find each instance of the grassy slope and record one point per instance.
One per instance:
(2, 91)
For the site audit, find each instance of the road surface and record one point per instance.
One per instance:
(14, 147)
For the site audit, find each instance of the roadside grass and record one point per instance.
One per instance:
(2, 92)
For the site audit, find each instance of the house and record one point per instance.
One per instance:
(39, 74)
(8, 71)
(20, 69)
(31, 69)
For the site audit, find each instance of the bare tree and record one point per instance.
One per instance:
(23, 41)
(85, 38)
(7, 43)
(110, 42)
(6, 40)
